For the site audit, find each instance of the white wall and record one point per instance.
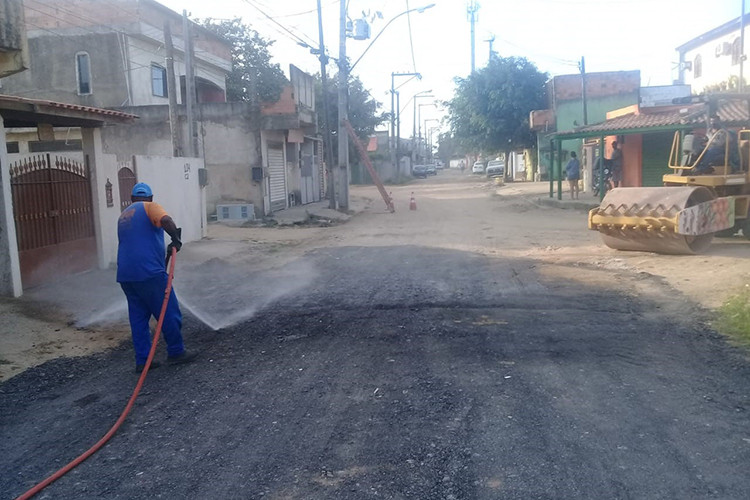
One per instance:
(174, 182)
(716, 69)
(10, 269)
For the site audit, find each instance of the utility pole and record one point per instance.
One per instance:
(395, 133)
(327, 145)
(741, 85)
(398, 133)
(473, 18)
(171, 91)
(187, 34)
(491, 40)
(583, 90)
(343, 137)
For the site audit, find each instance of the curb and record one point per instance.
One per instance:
(566, 204)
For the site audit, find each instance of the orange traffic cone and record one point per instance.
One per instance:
(412, 202)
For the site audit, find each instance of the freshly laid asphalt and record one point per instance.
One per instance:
(402, 372)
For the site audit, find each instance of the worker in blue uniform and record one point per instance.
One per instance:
(142, 274)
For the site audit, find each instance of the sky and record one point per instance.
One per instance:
(612, 35)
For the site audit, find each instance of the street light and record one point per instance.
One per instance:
(418, 9)
(394, 138)
(427, 120)
(418, 95)
(344, 71)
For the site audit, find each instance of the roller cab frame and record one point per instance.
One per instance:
(683, 216)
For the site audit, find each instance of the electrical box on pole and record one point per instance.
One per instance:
(360, 29)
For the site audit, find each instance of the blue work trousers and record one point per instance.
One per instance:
(145, 299)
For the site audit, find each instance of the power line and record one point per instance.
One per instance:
(309, 43)
(411, 39)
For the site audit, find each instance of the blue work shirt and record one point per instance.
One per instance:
(140, 253)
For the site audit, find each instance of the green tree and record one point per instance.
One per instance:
(490, 109)
(364, 112)
(253, 76)
(730, 85)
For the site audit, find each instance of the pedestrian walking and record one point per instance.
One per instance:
(142, 274)
(573, 174)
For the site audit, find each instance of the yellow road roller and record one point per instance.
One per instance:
(702, 197)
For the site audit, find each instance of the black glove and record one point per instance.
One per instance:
(176, 244)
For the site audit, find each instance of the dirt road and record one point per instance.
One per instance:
(479, 347)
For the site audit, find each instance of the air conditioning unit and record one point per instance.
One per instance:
(235, 211)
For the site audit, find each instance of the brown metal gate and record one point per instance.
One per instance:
(126, 180)
(54, 216)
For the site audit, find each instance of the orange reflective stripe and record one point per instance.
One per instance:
(155, 212)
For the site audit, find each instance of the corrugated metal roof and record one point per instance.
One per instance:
(732, 112)
(99, 112)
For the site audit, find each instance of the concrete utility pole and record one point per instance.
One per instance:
(741, 85)
(395, 133)
(414, 144)
(187, 34)
(327, 145)
(343, 177)
(491, 40)
(473, 18)
(583, 91)
(174, 127)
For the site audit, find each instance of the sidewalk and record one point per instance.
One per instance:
(538, 194)
(316, 211)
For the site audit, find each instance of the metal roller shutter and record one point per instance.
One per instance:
(277, 178)
(656, 158)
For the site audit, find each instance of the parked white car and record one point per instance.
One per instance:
(478, 168)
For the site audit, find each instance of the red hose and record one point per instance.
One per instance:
(60, 473)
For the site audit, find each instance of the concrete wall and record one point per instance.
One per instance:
(102, 168)
(230, 141)
(232, 148)
(174, 182)
(122, 41)
(142, 53)
(52, 74)
(10, 269)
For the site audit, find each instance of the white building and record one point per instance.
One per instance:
(713, 58)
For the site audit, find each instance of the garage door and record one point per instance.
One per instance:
(276, 177)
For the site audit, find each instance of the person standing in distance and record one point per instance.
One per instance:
(616, 180)
(142, 274)
(573, 173)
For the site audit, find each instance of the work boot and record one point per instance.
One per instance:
(183, 357)
(154, 364)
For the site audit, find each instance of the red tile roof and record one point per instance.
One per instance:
(732, 112)
(99, 112)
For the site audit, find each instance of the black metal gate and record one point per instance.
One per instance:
(54, 217)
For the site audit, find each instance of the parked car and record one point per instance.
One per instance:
(439, 165)
(495, 168)
(419, 171)
(478, 168)
(431, 170)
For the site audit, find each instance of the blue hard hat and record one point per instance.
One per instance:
(142, 189)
